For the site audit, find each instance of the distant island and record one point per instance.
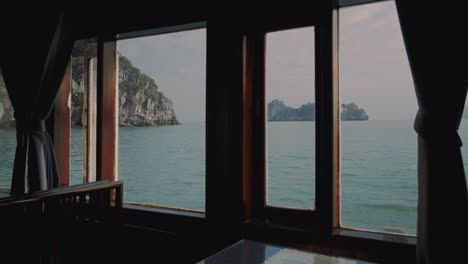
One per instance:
(351, 112)
(278, 111)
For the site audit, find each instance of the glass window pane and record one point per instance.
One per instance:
(162, 119)
(463, 132)
(379, 151)
(84, 73)
(290, 94)
(7, 139)
(91, 121)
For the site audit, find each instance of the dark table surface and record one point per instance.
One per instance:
(253, 252)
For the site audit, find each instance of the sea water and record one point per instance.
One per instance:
(166, 166)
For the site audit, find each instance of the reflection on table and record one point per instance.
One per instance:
(252, 252)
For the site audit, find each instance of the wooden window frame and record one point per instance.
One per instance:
(90, 124)
(108, 111)
(324, 221)
(255, 133)
(338, 229)
(320, 219)
(62, 127)
(62, 123)
(233, 202)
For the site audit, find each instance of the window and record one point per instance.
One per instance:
(162, 119)
(280, 123)
(378, 106)
(75, 116)
(284, 117)
(290, 94)
(463, 132)
(7, 139)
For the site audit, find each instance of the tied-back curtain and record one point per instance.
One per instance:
(34, 53)
(435, 36)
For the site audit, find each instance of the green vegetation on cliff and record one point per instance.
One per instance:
(6, 110)
(134, 80)
(140, 101)
(351, 112)
(278, 111)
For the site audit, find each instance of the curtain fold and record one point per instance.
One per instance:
(33, 58)
(435, 36)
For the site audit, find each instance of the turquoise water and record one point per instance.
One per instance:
(165, 166)
(291, 164)
(379, 175)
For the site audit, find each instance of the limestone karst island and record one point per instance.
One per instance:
(140, 101)
(278, 111)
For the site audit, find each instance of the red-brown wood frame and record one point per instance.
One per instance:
(62, 131)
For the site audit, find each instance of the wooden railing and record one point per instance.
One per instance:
(98, 194)
(48, 224)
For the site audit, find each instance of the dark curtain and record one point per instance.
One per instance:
(435, 36)
(34, 53)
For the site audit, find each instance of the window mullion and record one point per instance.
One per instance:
(108, 135)
(62, 127)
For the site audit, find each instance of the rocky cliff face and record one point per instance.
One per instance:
(278, 111)
(77, 102)
(6, 110)
(140, 102)
(351, 112)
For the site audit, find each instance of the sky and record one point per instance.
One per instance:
(177, 62)
(290, 66)
(374, 71)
